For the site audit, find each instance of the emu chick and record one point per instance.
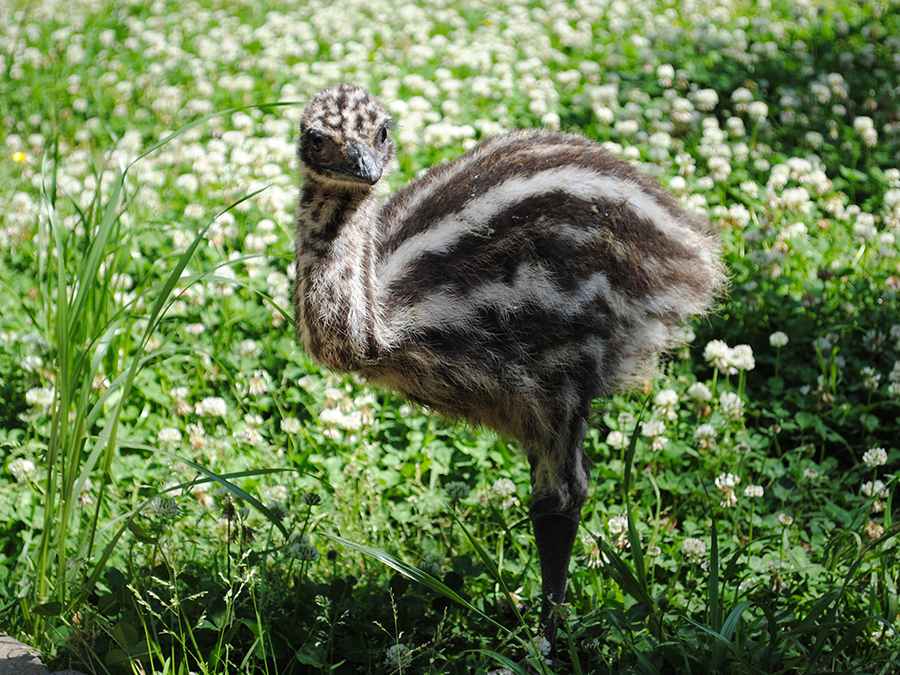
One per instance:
(508, 288)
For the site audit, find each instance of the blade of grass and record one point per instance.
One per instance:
(414, 573)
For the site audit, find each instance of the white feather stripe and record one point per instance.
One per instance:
(531, 285)
(578, 182)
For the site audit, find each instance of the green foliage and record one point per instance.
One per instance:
(183, 491)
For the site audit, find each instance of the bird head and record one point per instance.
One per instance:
(344, 137)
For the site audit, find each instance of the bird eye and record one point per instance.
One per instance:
(382, 134)
(316, 142)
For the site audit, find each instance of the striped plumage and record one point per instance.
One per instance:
(508, 288)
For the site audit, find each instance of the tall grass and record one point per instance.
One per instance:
(91, 334)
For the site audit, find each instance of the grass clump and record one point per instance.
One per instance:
(183, 491)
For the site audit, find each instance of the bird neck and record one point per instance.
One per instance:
(335, 291)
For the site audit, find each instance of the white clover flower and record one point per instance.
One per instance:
(873, 530)
(179, 393)
(665, 74)
(706, 434)
(291, 425)
(731, 405)
(693, 550)
(727, 480)
(187, 182)
(742, 357)
(750, 188)
(617, 525)
(719, 167)
(699, 392)
(21, 468)
(729, 498)
(706, 99)
(258, 383)
(881, 634)
(654, 430)
(778, 339)
(504, 488)
(758, 111)
(169, 436)
(753, 491)
(594, 557)
(875, 457)
(212, 406)
(677, 184)
(626, 127)
(717, 354)
(726, 483)
(785, 519)
(864, 227)
(862, 123)
(333, 417)
(194, 211)
(870, 488)
(41, 398)
(31, 363)
(604, 114)
(617, 440)
(249, 348)
(742, 96)
(667, 400)
(871, 378)
(539, 647)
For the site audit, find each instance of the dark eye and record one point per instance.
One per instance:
(315, 141)
(382, 134)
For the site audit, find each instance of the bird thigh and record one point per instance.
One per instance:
(560, 471)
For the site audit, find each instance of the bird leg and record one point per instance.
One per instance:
(555, 531)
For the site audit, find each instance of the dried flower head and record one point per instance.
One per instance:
(457, 490)
(278, 510)
(300, 548)
(310, 499)
(397, 655)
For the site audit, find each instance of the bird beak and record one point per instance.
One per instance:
(360, 163)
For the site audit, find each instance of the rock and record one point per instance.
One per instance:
(19, 659)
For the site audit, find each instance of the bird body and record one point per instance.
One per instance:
(508, 288)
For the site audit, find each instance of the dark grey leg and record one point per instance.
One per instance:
(559, 480)
(554, 533)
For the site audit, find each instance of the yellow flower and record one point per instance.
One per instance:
(19, 157)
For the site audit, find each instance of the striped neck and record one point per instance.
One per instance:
(334, 293)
